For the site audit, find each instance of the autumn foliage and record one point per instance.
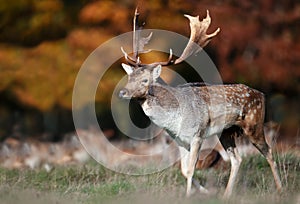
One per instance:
(44, 43)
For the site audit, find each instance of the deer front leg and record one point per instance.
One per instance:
(188, 163)
(184, 167)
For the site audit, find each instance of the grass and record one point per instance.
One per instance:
(91, 183)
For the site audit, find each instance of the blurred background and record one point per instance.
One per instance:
(43, 44)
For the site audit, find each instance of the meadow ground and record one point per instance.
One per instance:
(92, 183)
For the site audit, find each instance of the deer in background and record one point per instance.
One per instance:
(192, 112)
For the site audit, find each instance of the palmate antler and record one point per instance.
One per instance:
(198, 36)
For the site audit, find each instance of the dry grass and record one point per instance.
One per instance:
(92, 183)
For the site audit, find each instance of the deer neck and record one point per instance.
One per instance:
(162, 106)
(172, 109)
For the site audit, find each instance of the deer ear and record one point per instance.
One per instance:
(128, 69)
(156, 72)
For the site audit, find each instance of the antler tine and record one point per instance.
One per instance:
(169, 59)
(138, 61)
(129, 59)
(168, 62)
(198, 35)
(135, 46)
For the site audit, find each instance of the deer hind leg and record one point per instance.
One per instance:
(274, 168)
(235, 161)
(227, 139)
(258, 140)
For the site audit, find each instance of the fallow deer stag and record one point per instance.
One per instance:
(192, 112)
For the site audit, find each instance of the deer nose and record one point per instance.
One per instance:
(123, 93)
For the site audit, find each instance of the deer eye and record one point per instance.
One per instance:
(145, 80)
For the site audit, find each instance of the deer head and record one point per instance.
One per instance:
(139, 80)
(142, 76)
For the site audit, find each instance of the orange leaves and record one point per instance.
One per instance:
(109, 12)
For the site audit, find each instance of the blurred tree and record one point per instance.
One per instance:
(28, 22)
(44, 43)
